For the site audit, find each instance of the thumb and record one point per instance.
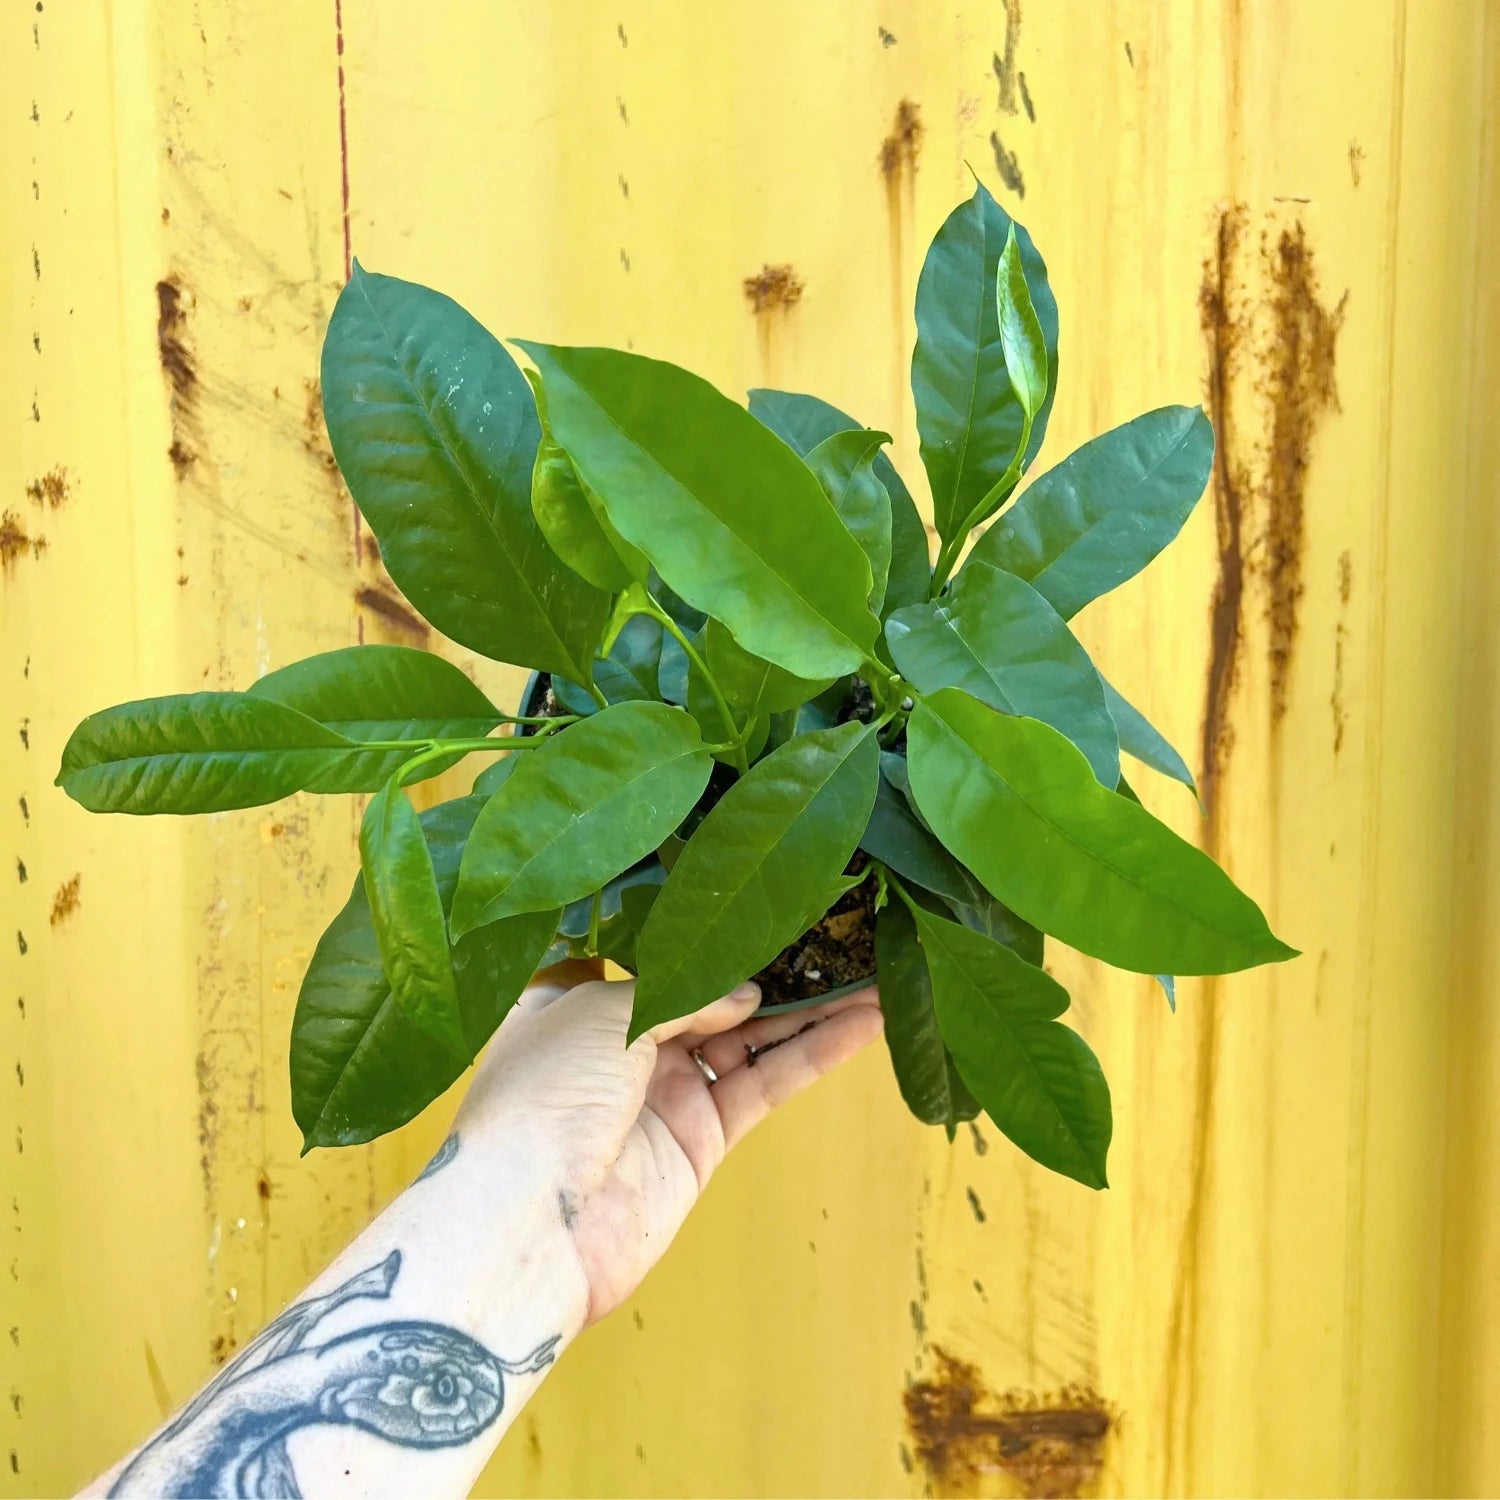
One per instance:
(719, 1015)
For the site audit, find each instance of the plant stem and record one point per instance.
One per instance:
(948, 553)
(594, 913)
(594, 692)
(741, 760)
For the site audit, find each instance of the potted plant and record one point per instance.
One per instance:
(768, 736)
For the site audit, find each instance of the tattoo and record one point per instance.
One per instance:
(567, 1206)
(445, 1153)
(754, 1054)
(417, 1385)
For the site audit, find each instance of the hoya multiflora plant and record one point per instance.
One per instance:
(761, 699)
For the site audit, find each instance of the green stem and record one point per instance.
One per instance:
(948, 553)
(594, 692)
(594, 913)
(741, 760)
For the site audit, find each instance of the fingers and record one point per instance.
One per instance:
(724, 1052)
(734, 1008)
(747, 1095)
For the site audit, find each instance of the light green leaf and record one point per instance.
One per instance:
(1021, 808)
(436, 435)
(898, 838)
(802, 422)
(731, 520)
(198, 753)
(381, 693)
(1021, 336)
(924, 1068)
(844, 466)
(1140, 738)
(996, 638)
(757, 872)
(1105, 511)
(407, 911)
(359, 1067)
(751, 683)
(598, 796)
(575, 527)
(1037, 1080)
(968, 416)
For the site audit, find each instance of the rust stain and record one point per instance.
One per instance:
(51, 489)
(962, 1432)
(773, 289)
(315, 441)
(1340, 639)
(1003, 65)
(899, 153)
(67, 900)
(221, 1348)
(1356, 162)
(15, 540)
(1299, 384)
(1008, 165)
(901, 148)
(179, 366)
(263, 1188)
(392, 610)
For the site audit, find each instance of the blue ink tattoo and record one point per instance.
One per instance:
(417, 1385)
(444, 1154)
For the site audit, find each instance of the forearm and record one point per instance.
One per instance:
(402, 1365)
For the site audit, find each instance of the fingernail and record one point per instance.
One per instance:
(749, 990)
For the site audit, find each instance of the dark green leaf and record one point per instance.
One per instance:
(1037, 1080)
(436, 434)
(844, 466)
(407, 911)
(753, 875)
(494, 776)
(618, 936)
(593, 800)
(980, 912)
(1020, 807)
(359, 1067)
(1021, 335)
(1140, 738)
(924, 1067)
(802, 422)
(730, 519)
(898, 838)
(969, 418)
(198, 753)
(629, 673)
(577, 914)
(996, 638)
(574, 526)
(1105, 511)
(381, 693)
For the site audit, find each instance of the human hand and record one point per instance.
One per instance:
(627, 1137)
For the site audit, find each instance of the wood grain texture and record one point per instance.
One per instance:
(1288, 211)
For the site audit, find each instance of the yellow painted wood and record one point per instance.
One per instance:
(1291, 1286)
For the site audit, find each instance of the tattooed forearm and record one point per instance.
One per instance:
(417, 1385)
(444, 1154)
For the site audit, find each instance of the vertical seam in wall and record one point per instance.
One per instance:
(338, 30)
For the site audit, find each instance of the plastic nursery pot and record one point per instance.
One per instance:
(533, 699)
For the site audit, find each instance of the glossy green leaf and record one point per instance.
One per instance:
(996, 638)
(494, 775)
(980, 912)
(1104, 512)
(593, 800)
(757, 873)
(897, 837)
(575, 527)
(359, 1067)
(1021, 337)
(629, 673)
(1037, 1079)
(968, 417)
(1021, 808)
(1140, 738)
(802, 422)
(576, 915)
(751, 683)
(381, 693)
(845, 466)
(620, 934)
(436, 435)
(731, 520)
(924, 1068)
(198, 753)
(407, 911)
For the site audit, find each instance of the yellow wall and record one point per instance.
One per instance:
(1291, 206)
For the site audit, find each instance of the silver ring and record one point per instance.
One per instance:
(704, 1067)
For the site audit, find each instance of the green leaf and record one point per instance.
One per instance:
(1140, 738)
(924, 1067)
(436, 435)
(757, 873)
(1021, 336)
(730, 519)
(1037, 1080)
(619, 935)
(629, 673)
(980, 912)
(1021, 808)
(898, 838)
(401, 887)
(968, 416)
(494, 776)
(750, 682)
(996, 638)
(593, 800)
(577, 914)
(1169, 989)
(844, 466)
(574, 525)
(381, 693)
(359, 1067)
(198, 753)
(1105, 511)
(802, 422)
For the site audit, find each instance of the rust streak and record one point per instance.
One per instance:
(67, 900)
(773, 288)
(51, 489)
(392, 610)
(14, 540)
